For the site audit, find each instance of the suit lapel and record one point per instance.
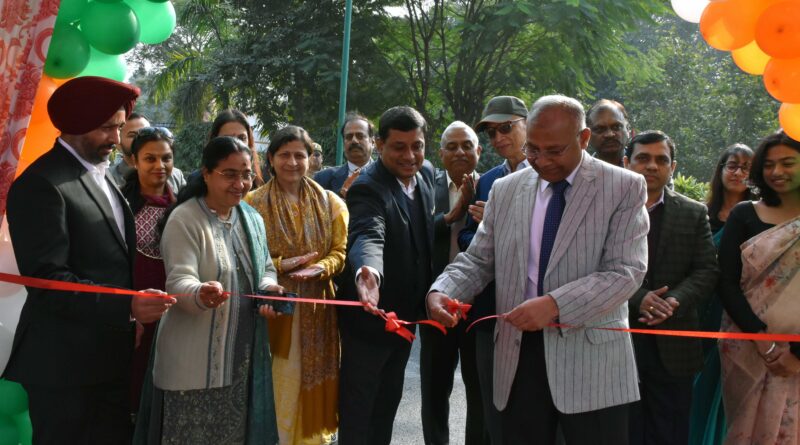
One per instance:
(427, 205)
(342, 174)
(101, 200)
(524, 202)
(442, 192)
(578, 204)
(669, 213)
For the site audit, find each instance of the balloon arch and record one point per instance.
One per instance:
(763, 37)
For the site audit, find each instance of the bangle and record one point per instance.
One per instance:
(771, 348)
(278, 267)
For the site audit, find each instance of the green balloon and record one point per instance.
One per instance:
(13, 398)
(71, 10)
(105, 65)
(68, 53)
(157, 19)
(8, 431)
(110, 27)
(24, 428)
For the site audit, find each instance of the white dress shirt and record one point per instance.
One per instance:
(543, 195)
(98, 173)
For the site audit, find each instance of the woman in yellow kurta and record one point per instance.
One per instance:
(307, 236)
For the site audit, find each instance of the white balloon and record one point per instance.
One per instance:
(12, 296)
(690, 10)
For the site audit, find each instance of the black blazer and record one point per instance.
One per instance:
(62, 228)
(685, 261)
(380, 237)
(332, 178)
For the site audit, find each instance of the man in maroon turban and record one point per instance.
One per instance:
(68, 222)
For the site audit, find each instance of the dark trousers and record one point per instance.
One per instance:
(484, 362)
(439, 355)
(80, 415)
(370, 388)
(663, 414)
(531, 417)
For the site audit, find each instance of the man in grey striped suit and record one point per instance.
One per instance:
(566, 242)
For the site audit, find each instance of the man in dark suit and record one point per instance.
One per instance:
(681, 274)
(388, 268)
(503, 121)
(454, 189)
(68, 222)
(359, 139)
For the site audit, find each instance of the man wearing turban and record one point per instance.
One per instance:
(68, 222)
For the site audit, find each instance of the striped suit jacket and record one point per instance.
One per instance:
(598, 261)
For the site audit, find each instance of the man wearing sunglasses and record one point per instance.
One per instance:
(125, 166)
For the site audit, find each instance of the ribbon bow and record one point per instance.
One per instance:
(458, 308)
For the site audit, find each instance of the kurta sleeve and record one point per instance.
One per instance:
(333, 263)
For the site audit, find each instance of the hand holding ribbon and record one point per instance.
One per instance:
(458, 308)
(439, 305)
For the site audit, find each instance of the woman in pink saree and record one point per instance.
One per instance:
(760, 290)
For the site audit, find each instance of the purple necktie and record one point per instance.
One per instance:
(550, 228)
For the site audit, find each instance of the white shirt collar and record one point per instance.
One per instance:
(451, 184)
(352, 167)
(92, 168)
(520, 166)
(660, 201)
(571, 178)
(412, 185)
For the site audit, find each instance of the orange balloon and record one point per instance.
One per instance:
(782, 79)
(39, 139)
(47, 86)
(778, 30)
(731, 24)
(40, 134)
(789, 116)
(750, 58)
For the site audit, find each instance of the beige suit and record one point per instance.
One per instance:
(598, 261)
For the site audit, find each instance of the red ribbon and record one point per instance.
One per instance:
(42, 283)
(673, 333)
(457, 307)
(393, 324)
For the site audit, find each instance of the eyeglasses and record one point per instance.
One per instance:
(234, 175)
(147, 131)
(503, 128)
(535, 153)
(731, 167)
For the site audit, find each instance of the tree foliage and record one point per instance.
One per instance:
(279, 61)
(699, 97)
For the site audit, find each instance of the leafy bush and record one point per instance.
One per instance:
(189, 143)
(689, 186)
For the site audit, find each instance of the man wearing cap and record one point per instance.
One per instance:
(68, 222)
(503, 120)
(359, 142)
(120, 171)
(315, 160)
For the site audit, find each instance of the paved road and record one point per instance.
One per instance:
(408, 423)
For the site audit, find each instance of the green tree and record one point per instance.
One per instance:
(455, 55)
(699, 97)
